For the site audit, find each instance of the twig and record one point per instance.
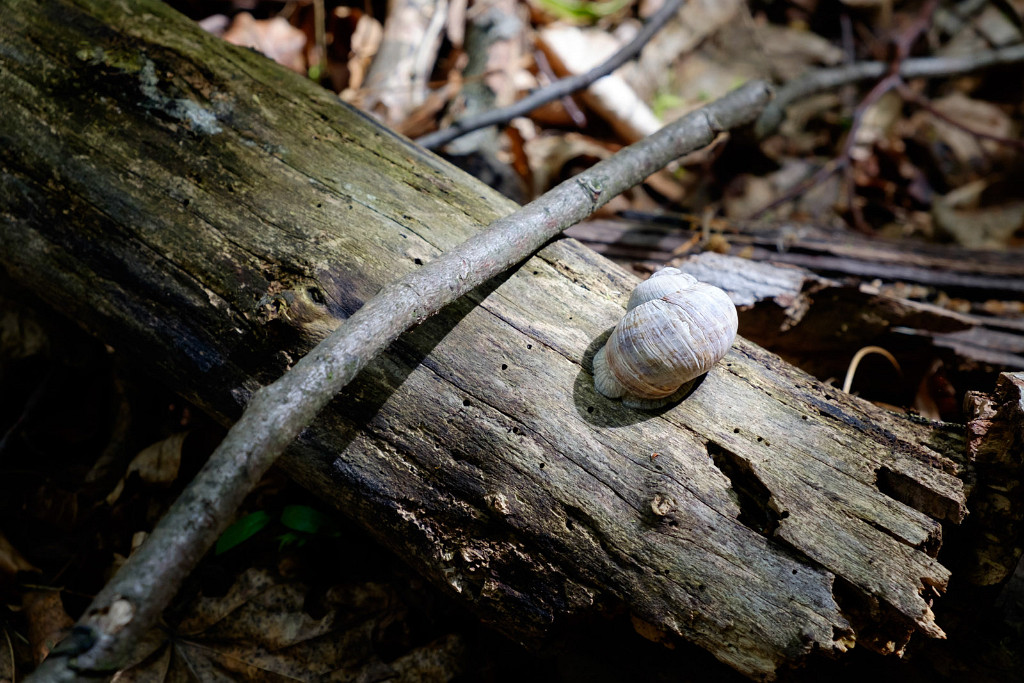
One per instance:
(544, 69)
(556, 90)
(132, 601)
(851, 370)
(320, 39)
(819, 176)
(888, 83)
(922, 67)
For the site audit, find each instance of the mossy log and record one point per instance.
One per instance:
(213, 216)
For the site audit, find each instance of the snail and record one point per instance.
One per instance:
(675, 328)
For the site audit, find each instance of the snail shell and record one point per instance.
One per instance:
(674, 330)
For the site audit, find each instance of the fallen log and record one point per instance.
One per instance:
(213, 216)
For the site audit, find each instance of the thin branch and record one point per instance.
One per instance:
(544, 69)
(556, 90)
(823, 80)
(888, 83)
(133, 600)
(818, 177)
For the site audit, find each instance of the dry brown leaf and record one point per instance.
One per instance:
(275, 38)
(981, 32)
(366, 39)
(875, 124)
(260, 630)
(21, 335)
(156, 464)
(8, 663)
(549, 155)
(696, 22)
(11, 561)
(47, 621)
(792, 51)
(973, 156)
(748, 194)
(959, 216)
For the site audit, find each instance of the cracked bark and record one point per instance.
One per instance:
(214, 217)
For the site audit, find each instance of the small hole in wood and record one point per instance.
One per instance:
(316, 295)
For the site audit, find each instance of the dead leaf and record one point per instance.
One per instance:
(960, 155)
(697, 21)
(156, 464)
(47, 621)
(553, 157)
(959, 216)
(366, 39)
(791, 51)
(12, 561)
(262, 630)
(21, 336)
(275, 38)
(159, 462)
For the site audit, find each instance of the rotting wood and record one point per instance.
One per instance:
(212, 216)
(868, 285)
(996, 449)
(976, 274)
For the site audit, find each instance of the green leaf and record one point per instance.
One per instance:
(242, 530)
(290, 539)
(582, 11)
(307, 520)
(664, 101)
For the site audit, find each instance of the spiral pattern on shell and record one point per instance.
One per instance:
(675, 328)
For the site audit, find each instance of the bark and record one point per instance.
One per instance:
(214, 217)
(996, 448)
